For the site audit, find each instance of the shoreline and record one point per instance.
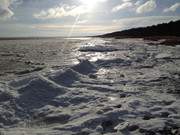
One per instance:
(164, 40)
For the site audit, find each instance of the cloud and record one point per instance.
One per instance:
(172, 8)
(126, 0)
(5, 13)
(82, 21)
(61, 11)
(5, 10)
(122, 6)
(139, 2)
(89, 29)
(100, 28)
(127, 23)
(147, 7)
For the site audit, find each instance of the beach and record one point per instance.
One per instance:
(89, 86)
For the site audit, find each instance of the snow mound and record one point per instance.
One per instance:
(5, 96)
(66, 78)
(21, 82)
(38, 93)
(84, 67)
(8, 109)
(98, 48)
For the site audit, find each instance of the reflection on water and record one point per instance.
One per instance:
(96, 56)
(102, 71)
(112, 98)
(91, 56)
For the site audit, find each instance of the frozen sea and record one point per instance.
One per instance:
(89, 86)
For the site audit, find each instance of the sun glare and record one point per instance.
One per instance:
(90, 4)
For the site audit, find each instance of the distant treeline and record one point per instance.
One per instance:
(165, 29)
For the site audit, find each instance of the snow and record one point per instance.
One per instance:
(113, 95)
(98, 48)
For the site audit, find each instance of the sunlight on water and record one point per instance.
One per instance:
(112, 98)
(75, 62)
(96, 56)
(102, 71)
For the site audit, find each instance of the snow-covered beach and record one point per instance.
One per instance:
(89, 87)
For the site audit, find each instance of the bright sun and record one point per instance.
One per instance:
(91, 3)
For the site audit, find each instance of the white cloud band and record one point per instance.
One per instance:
(147, 7)
(62, 11)
(172, 8)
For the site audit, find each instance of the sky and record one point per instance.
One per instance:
(32, 18)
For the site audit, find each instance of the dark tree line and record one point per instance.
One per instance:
(164, 29)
